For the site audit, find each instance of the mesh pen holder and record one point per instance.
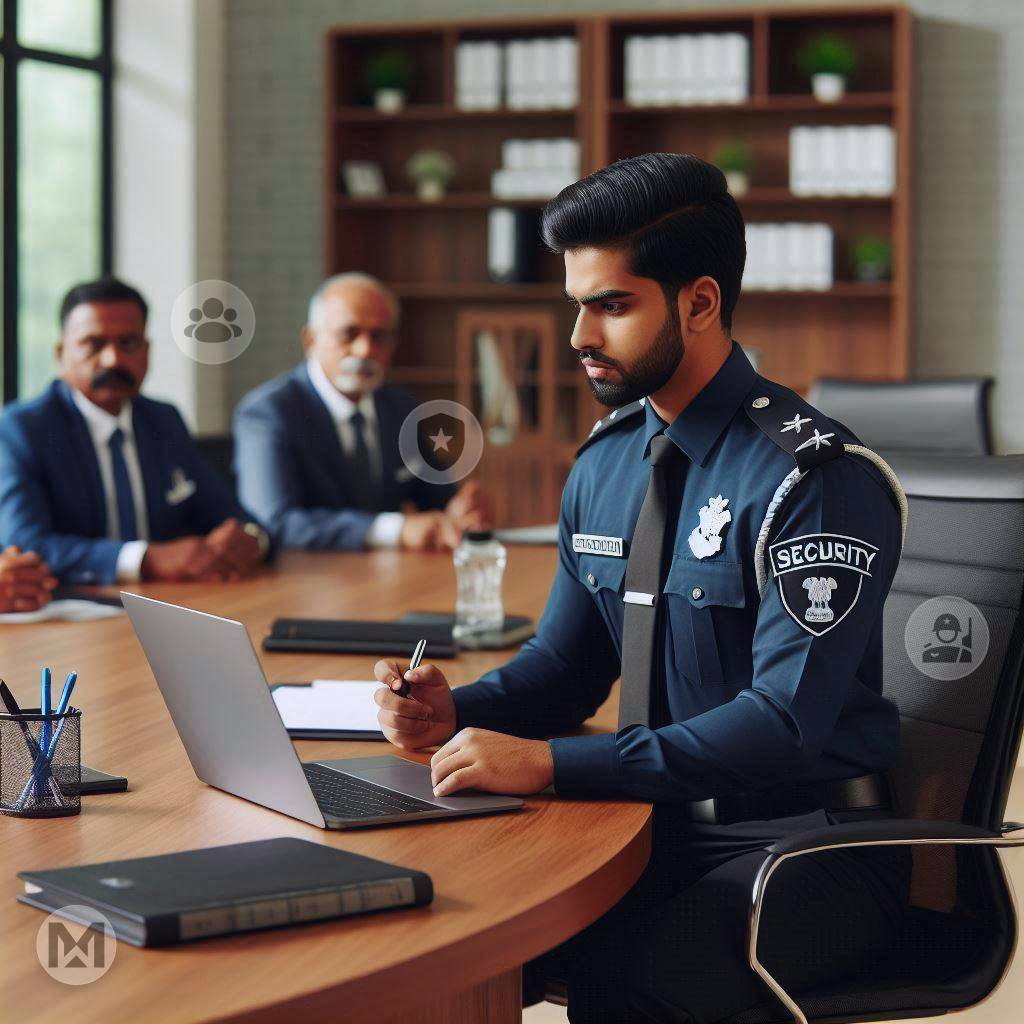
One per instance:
(40, 764)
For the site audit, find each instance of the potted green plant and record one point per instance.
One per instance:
(735, 159)
(387, 76)
(828, 60)
(430, 170)
(871, 258)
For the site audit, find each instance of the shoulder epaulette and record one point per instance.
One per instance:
(614, 419)
(792, 424)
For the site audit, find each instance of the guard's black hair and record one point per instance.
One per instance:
(103, 289)
(672, 212)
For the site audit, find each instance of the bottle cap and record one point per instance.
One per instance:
(479, 535)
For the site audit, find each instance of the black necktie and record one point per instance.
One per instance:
(128, 528)
(643, 648)
(362, 478)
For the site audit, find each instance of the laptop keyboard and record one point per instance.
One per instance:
(346, 797)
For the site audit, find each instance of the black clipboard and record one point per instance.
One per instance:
(330, 734)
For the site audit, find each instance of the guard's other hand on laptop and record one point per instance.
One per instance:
(426, 718)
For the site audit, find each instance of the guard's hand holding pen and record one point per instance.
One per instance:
(426, 718)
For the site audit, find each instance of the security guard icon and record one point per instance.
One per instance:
(947, 651)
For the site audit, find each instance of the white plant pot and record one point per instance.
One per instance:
(828, 87)
(389, 101)
(430, 190)
(737, 182)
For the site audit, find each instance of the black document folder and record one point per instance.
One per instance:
(350, 636)
(271, 883)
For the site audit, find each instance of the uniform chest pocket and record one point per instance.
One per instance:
(601, 573)
(711, 632)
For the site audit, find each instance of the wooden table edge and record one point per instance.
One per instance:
(401, 987)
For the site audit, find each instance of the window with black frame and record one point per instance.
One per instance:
(56, 95)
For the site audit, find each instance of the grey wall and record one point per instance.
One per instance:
(969, 151)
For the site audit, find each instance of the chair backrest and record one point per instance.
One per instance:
(924, 416)
(954, 669)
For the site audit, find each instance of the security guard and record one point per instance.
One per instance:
(727, 549)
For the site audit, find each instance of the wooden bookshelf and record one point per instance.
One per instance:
(434, 253)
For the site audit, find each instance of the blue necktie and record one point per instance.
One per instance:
(123, 488)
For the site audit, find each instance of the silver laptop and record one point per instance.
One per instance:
(213, 685)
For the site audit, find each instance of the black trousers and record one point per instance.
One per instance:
(673, 950)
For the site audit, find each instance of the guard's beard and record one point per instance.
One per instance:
(652, 371)
(358, 376)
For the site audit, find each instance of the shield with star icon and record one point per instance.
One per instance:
(441, 439)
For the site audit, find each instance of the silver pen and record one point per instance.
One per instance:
(417, 657)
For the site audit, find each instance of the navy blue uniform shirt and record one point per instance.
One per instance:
(762, 688)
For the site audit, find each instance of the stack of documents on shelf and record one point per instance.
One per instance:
(541, 73)
(850, 160)
(534, 74)
(478, 75)
(788, 257)
(663, 70)
(536, 168)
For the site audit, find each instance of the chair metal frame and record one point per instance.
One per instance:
(775, 860)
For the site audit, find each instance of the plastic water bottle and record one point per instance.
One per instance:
(479, 567)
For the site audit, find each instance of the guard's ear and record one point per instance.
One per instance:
(703, 304)
(306, 336)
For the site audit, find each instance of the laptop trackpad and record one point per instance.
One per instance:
(413, 780)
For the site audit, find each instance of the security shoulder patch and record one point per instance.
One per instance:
(820, 576)
(792, 424)
(614, 419)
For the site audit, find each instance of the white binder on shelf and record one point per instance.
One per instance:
(663, 72)
(821, 243)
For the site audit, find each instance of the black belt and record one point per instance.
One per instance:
(865, 792)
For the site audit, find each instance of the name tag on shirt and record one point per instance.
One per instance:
(592, 544)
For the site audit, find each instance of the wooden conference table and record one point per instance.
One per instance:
(507, 887)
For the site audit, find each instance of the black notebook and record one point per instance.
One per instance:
(351, 636)
(178, 897)
(346, 636)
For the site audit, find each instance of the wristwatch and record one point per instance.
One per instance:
(257, 531)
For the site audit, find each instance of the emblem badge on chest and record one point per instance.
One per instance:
(706, 537)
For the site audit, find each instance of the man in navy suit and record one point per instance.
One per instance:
(108, 486)
(316, 449)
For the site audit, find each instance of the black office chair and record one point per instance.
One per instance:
(922, 416)
(959, 743)
(219, 451)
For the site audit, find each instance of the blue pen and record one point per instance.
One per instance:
(41, 768)
(65, 693)
(44, 709)
(44, 704)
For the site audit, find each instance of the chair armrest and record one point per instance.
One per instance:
(894, 832)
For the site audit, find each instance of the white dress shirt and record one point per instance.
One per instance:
(386, 528)
(101, 427)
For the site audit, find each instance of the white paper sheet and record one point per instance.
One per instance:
(70, 610)
(329, 704)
